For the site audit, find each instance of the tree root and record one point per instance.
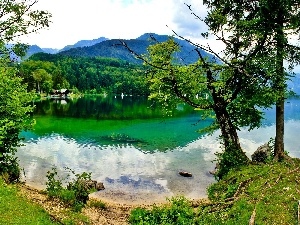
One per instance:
(298, 212)
(252, 218)
(241, 186)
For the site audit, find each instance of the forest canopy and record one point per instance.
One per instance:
(86, 74)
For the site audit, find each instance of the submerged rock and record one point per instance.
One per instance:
(185, 174)
(215, 171)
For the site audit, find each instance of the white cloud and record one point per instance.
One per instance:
(189, 23)
(75, 20)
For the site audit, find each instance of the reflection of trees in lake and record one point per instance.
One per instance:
(106, 108)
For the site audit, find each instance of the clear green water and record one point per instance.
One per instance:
(130, 146)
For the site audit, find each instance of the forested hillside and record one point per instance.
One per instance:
(107, 66)
(44, 72)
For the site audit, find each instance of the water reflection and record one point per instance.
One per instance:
(137, 159)
(120, 167)
(109, 107)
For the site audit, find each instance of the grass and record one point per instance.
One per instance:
(97, 204)
(254, 194)
(15, 209)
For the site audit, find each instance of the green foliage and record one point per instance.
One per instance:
(75, 193)
(88, 75)
(19, 18)
(228, 160)
(172, 83)
(42, 76)
(14, 117)
(178, 212)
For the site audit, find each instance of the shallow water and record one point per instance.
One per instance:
(130, 147)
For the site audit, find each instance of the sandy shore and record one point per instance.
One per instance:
(116, 213)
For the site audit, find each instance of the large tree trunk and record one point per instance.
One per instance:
(228, 131)
(233, 155)
(280, 86)
(279, 140)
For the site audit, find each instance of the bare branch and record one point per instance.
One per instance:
(124, 44)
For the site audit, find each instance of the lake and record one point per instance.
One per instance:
(131, 146)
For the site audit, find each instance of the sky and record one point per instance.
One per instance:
(74, 20)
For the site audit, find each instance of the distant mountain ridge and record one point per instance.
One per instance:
(114, 49)
(50, 50)
(33, 49)
(84, 43)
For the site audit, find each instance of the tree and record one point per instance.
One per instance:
(14, 118)
(229, 93)
(275, 22)
(43, 80)
(282, 18)
(240, 81)
(17, 18)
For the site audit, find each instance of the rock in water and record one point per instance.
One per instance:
(92, 184)
(99, 186)
(185, 174)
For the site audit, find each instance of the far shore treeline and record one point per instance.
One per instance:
(94, 75)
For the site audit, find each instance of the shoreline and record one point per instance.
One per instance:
(117, 197)
(115, 213)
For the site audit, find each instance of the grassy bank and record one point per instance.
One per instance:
(16, 209)
(23, 205)
(256, 194)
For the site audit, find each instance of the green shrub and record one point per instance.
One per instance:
(178, 212)
(10, 170)
(14, 117)
(97, 204)
(229, 160)
(75, 194)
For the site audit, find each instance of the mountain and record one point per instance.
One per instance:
(32, 50)
(111, 49)
(36, 49)
(84, 43)
(114, 49)
(50, 50)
